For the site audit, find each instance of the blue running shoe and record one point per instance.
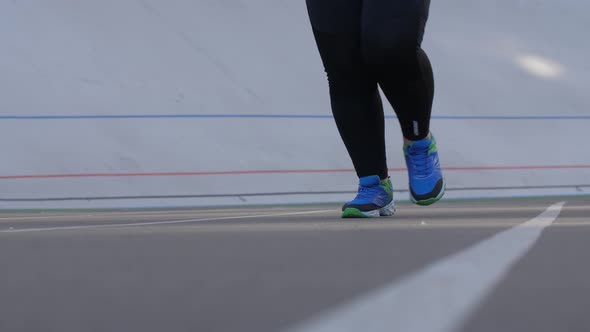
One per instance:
(374, 199)
(427, 185)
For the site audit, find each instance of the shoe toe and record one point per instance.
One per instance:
(426, 190)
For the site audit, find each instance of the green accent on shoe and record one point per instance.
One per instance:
(406, 150)
(353, 213)
(432, 148)
(387, 186)
(429, 201)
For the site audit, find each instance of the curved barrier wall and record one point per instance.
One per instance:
(184, 103)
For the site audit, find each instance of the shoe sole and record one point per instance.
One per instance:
(385, 211)
(430, 201)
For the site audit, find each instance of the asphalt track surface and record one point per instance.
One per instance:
(300, 268)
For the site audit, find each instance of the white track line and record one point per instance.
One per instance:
(35, 217)
(168, 222)
(440, 297)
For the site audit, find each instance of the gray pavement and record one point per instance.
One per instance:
(267, 269)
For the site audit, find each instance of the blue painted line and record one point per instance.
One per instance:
(276, 116)
(159, 116)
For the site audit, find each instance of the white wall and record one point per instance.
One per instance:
(237, 57)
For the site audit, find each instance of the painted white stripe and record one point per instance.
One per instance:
(40, 217)
(540, 66)
(440, 297)
(167, 222)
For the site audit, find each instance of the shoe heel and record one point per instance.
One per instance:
(388, 210)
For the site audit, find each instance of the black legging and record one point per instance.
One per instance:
(365, 43)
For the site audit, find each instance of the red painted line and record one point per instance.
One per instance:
(286, 171)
